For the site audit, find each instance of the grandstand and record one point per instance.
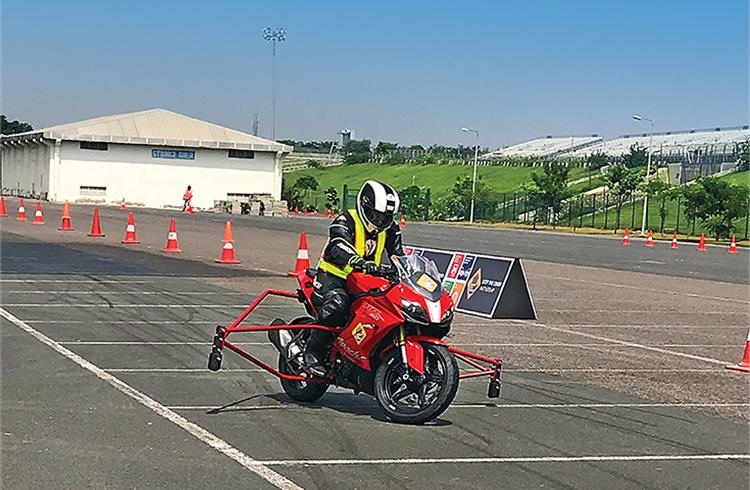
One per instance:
(675, 144)
(546, 147)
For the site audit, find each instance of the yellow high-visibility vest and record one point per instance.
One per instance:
(359, 247)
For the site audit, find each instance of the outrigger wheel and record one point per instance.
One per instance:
(214, 358)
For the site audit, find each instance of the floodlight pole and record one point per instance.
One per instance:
(274, 36)
(474, 178)
(648, 168)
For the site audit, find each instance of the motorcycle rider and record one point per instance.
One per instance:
(356, 242)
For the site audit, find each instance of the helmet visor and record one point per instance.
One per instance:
(380, 220)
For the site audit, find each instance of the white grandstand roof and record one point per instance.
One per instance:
(666, 143)
(153, 127)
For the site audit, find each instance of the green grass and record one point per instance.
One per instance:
(438, 178)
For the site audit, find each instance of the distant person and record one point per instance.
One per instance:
(186, 198)
(262, 209)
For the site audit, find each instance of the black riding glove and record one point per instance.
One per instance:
(370, 267)
(357, 263)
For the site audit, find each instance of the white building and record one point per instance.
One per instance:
(147, 157)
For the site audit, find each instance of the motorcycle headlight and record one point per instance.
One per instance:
(414, 312)
(448, 314)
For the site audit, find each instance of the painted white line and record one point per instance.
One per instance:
(643, 312)
(634, 344)
(601, 344)
(128, 342)
(78, 281)
(497, 323)
(531, 459)
(202, 370)
(126, 305)
(639, 288)
(512, 406)
(505, 370)
(127, 322)
(193, 429)
(141, 293)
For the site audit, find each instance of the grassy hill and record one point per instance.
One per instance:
(438, 178)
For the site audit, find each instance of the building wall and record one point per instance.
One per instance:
(25, 169)
(129, 171)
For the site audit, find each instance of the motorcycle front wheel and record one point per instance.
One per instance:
(409, 398)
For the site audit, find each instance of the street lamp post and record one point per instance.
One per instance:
(638, 118)
(474, 178)
(274, 36)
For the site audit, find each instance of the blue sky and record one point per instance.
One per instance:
(411, 72)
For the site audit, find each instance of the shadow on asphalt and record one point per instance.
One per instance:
(350, 404)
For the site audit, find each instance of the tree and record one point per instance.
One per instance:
(458, 202)
(636, 157)
(294, 194)
(384, 149)
(596, 160)
(413, 202)
(550, 188)
(313, 163)
(13, 127)
(332, 198)
(621, 182)
(357, 151)
(396, 158)
(716, 203)
(743, 155)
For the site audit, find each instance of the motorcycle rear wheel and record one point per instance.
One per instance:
(300, 391)
(414, 404)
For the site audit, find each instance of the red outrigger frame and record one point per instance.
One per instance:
(483, 366)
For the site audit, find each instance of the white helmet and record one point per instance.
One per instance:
(377, 203)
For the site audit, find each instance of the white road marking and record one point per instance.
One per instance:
(260, 469)
(127, 305)
(643, 312)
(78, 281)
(128, 342)
(531, 459)
(639, 288)
(505, 370)
(601, 344)
(634, 344)
(496, 323)
(142, 293)
(126, 322)
(462, 344)
(453, 406)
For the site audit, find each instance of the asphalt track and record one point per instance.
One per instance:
(104, 384)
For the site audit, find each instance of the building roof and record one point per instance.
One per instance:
(153, 127)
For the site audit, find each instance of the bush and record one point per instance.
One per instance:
(716, 203)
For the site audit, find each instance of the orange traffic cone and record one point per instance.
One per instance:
(403, 221)
(189, 209)
(21, 215)
(296, 212)
(674, 241)
(38, 218)
(626, 238)
(650, 239)
(305, 212)
(3, 213)
(65, 225)
(96, 227)
(130, 237)
(303, 258)
(325, 213)
(315, 212)
(122, 204)
(227, 250)
(744, 365)
(172, 245)
(733, 245)
(702, 244)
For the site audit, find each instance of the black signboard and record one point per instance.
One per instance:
(483, 285)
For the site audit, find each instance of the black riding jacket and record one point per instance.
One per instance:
(340, 246)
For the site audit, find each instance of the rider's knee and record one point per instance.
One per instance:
(334, 308)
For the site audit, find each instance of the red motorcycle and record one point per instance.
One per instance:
(392, 347)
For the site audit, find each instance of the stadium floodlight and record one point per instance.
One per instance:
(474, 178)
(275, 36)
(638, 118)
